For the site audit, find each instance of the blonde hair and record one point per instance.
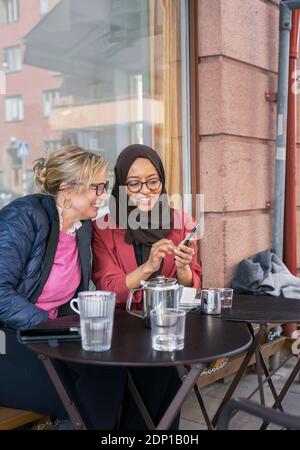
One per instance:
(71, 165)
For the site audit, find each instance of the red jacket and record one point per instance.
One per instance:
(113, 258)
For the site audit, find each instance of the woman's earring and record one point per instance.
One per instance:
(67, 203)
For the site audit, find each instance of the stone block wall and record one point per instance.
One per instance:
(238, 60)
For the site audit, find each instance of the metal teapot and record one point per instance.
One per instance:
(159, 292)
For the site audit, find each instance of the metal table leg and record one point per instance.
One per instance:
(71, 409)
(175, 405)
(269, 379)
(187, 368)
(240, 372)
(261, 365)
(139, 402)
(203, 409)
(284, 390)
(259, 370)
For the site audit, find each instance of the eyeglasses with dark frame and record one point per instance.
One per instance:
(98, 187)
(136, 186)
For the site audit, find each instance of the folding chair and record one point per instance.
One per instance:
(288, 421)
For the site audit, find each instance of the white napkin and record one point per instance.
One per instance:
(188, 297)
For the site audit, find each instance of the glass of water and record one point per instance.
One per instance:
(167, 329)
(96, 309)
(226, 296)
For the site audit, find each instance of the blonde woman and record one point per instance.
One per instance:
(45, 260)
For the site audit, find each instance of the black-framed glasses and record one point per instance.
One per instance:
(136, 186)
(99, 187)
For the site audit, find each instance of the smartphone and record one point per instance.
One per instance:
(48, 334)
(192, 234)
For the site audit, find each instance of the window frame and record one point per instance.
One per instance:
(194, 102)
(15, 11)
(44, 93)
(186, 108)
(20, 109)
(5, 52)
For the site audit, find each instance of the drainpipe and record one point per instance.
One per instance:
(284, 40)
(290, 217)
(284, 43)
(290, 210)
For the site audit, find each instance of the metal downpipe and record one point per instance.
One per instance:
(290, 210)
(284, 44)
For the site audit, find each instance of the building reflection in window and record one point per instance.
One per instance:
(101, 74)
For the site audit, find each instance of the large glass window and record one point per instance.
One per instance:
(10, 10)
(101, 74)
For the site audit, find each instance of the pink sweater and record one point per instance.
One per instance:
(64, 278)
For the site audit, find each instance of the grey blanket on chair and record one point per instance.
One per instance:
(265, 273)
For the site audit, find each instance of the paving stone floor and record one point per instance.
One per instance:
(191, 416)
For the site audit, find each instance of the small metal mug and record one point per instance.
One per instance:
(210, 301)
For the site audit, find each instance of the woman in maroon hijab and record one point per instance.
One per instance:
(143, 238)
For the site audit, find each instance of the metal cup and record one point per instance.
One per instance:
(210, 301)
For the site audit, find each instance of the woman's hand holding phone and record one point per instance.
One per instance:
(184, 254)
(185, 251)
(159, 250)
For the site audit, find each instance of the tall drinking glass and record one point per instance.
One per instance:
(96, 309)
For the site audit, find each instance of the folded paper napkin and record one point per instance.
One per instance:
(188, 297)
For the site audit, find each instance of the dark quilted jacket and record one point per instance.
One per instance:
(29, 232)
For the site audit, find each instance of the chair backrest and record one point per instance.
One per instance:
(255, 409)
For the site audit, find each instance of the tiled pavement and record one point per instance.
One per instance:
(191, 416)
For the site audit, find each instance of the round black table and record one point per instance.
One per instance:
(206, 339)
(263, 310)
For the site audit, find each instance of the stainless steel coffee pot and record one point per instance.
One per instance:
(159, 292)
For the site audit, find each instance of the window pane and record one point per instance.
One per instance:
(44, 6)
(101, 74)
(11, 10)
(14, 109)
(50, 146)
(49, 98)
(12, 59)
